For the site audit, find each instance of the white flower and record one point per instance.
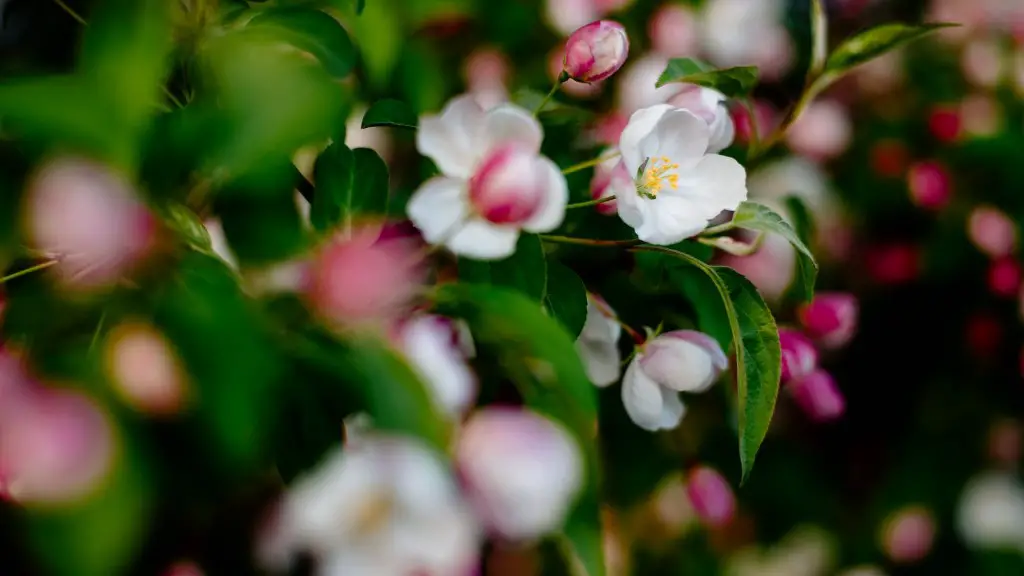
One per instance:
(679, 187)
(990, 513)
(521, 471)
(710, 105)
(385, 507)
(679, 361)
(598, 345)
(432, 345)
(744, 32)
(494, 182)
(636, 84)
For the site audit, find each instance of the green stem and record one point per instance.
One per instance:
(562, 78)
(589, 163)
(29, 270)
(590, 202)
(589, 241)
(718, 229)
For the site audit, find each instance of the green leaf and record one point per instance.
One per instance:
(869, 45)
(756, 343)
(733, 82)
(349, 183)
(312, 31)
(819, 38)
(390, 112)
(125, 57)
(760, 218)
(540, 358)
(526, 270)
(566, 298)
(803, 223)
(187, 223)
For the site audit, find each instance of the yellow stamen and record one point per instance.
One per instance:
(658, 171)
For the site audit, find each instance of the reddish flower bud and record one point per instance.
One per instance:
(831, 318)
(818, 396)
(711, 496)
(799, 356)
(144, 369)
(508, 187)
(1004, 277)
(908, 535)
(930, 185)
(992, 231)
(596, 51)
(944, 123)
(893, 263)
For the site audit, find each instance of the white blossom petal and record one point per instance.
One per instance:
(679, 365)
(642, 397)
(453, 138)
(672, 410)
(641, 123)
(669, 219)
(438, 207)
(427, 342)
(556, 198)
(601, 360)
(679, 135)
(483, 240)
(718, 182)
(508, 123)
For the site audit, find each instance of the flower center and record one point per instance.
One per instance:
(654, 174)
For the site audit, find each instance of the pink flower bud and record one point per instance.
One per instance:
(944, 123)
(992, 231)
(930, 185)
(908, 535)
(144, 369)
(766, 119)
(596, 51)
(799, 356)
(508, 188)
(831, 318)
(521, 471)
(1004, 277)
(818, 396)
(58, 448)
(822, 132)
(893, 263)
(89, 219)
(711, 496)
(582, 90)
(611, 178)
(363, 278)
(673, 30)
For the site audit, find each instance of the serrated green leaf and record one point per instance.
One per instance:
(566, 298)
(756, 344)
(526, 270)
(733, 82)
(312, 31)
(390, 112)
(760, 218)
(349, 183)
(540, 358)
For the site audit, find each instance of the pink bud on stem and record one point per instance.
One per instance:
(596, 51)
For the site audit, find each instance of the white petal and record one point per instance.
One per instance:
(680, 135)
(483, 240)
(427, 342)
(723, 130)
(601, 361)
(556, 197)
(437, 207)
(669, 219)
(452, 139)
(716, 182)
(640, 125)
(509, 123)
(678, 364)
(672, 409)
(642, 397)
(364, 560)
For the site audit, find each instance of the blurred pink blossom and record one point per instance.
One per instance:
(822, 132)
(711, 496)
(673, 29)
(771, 269)
(799, 356)
(487, 73)
(982, 62)
(981, 115)
(818, 395)
(184, 568)
(831, 318)
(1004, 276)
(930, 185)
(90, 220)
(992, 231)
(893, 263)
(945, 123)
(766, 120)
(144, 369)
(610, 179)
(908, 535)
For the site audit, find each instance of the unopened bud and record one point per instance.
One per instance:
(831, 318)
(711, 496)
(596, 51)
(818, 396)
(799, 356)
(1004, 277)
(908, 535)
(992, 231)
(930, 185)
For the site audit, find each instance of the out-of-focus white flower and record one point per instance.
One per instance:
(89, 218)
(386, 506)
(678, 361)
(992, 231)
(981, 115)
(805, 551)
(982, 62)
(431, 345)
(747, 32)
(635, 88)
(564, 16)
(494, 182)
(679, 187)
(990, 514)
(521, 470)
(673, 30)
(486, 72)
(822, 132)
(598, 343)
(710, 105)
